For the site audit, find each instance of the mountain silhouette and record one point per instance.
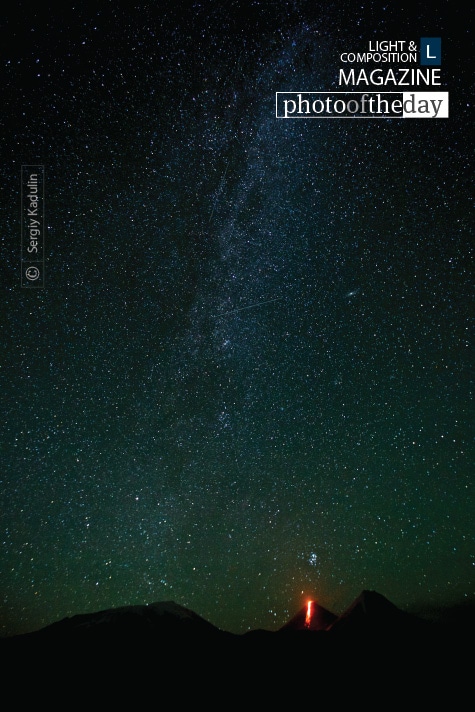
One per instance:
(368, 615)
(164, 648)
(372, 613)
(310, 617)
(161, 617)
(125, 627)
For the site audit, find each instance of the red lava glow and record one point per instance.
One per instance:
(308, 617)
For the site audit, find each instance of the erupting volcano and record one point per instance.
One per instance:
(308, 617)
(312, 616)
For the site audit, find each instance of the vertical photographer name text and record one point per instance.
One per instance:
(32, 226)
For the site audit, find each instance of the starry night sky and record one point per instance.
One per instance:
(248, 378)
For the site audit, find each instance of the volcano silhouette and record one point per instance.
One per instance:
(372, 613)
(167, 645)
(319, 619)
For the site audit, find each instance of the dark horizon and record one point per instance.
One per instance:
(461, 614)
